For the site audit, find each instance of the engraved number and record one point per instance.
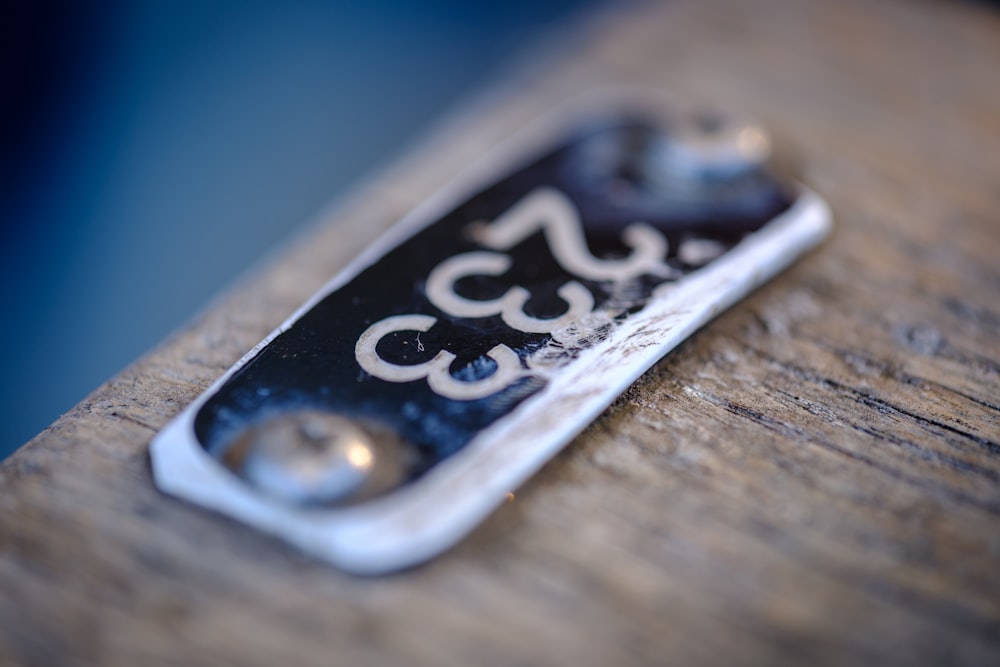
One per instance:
(545, 209)
(552, 211)
(441, 292)
(437, 372)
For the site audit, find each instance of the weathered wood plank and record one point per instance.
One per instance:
(814, 476)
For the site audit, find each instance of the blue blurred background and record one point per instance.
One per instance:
(151, 151)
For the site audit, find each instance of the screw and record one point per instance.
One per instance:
(713, 146)
(306, 457)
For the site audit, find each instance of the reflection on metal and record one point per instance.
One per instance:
(711, 146)
(314, 458)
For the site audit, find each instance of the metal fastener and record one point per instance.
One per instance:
(307, 457)
(714, 146)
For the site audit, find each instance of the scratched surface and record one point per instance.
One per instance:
(815, 476)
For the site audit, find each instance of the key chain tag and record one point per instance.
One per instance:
(449, 361)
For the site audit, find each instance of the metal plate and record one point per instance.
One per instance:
(399, 406)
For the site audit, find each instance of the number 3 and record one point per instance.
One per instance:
(441, 292)
(437, 370)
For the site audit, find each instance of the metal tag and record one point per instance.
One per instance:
(444, 366)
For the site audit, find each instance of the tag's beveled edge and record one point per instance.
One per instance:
(426, 517)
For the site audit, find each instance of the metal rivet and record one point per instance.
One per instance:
(307, 457)
(715, 146)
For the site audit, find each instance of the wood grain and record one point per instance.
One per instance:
(814, 477)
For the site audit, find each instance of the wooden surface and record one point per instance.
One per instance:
(814, 478)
